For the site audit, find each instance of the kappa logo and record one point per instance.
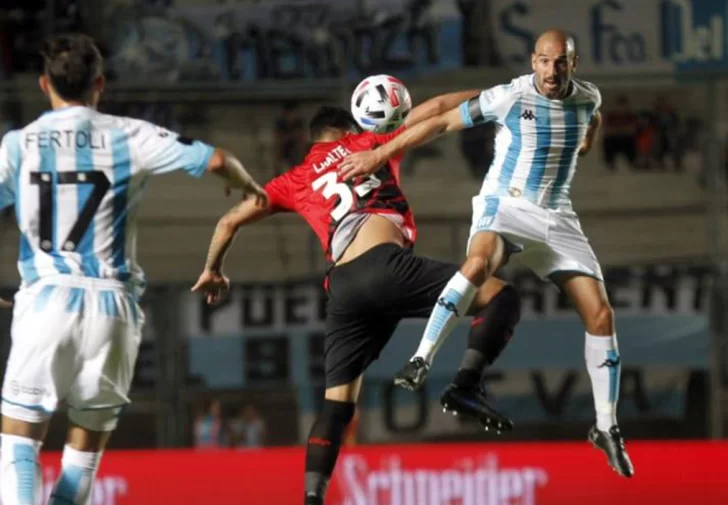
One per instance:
(528, 115)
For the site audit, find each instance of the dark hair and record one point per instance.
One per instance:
(72, 62)
(331, 118)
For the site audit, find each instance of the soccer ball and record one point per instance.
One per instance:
(380, 103)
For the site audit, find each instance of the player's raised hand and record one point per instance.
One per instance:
(5, 304)
(213, 284)
(359, 164)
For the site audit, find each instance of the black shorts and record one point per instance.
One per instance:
(368, 297)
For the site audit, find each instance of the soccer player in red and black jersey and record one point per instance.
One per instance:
(367, 231)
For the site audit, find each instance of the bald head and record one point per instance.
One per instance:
(556, 40)
(553, 61)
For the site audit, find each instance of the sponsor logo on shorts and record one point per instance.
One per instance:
(486, 221)
(17, 389)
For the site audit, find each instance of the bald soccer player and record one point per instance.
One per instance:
(524, 214)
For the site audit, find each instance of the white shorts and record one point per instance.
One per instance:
(545, 240)
(74, 340)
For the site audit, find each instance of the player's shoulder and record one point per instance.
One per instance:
(12, 136)
(131, 126)
(587, 91)
(10, 148)
(509, 91)
(520, 84)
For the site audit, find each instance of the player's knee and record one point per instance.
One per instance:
(333, 420)
(508, 301)
(601, 321)
(505, 305)
(475, 269)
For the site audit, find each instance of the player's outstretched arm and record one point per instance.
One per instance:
(438, 105)
(226, 165)
(212, 281)
(591, 134)
(366, 162)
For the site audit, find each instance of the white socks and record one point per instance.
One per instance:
(604, 366)
(452, 304)
(74, 485)
(21, 482)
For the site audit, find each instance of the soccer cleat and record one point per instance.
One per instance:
(413, 375)
(472, 402)
(611, 443)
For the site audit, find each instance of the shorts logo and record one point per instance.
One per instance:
(491, 210)
(16, 389)
(485, 221)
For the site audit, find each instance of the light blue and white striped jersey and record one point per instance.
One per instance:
(538, 139)
(76, 177)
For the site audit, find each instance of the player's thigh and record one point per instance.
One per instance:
(515, 220)
(487, 251)
(418, 282)
(415, 284)
(568, 250)
(352, 341)
(111, 335)
(43, 356)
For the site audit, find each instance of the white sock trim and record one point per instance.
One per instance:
(89, 460)
(16, 439)
(462, 284)
(602, 343)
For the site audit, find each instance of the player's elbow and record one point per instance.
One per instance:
(217, 162)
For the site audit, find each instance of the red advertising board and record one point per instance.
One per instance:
(670, 473)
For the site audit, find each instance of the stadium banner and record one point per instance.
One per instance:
(320, 39)
(443, 474)
(283, 39)
(618, 36)
(653, 290)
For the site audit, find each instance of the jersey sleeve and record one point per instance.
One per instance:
(9, 166)
(159, 151)
(490, 105)
(281, 195)
(597, 100)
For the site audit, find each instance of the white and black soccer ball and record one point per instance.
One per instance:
(380, 103)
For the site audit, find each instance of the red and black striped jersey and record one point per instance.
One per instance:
(315, 192)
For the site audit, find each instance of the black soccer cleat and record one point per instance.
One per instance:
(413, 375)
(472, 402)
(611, 444)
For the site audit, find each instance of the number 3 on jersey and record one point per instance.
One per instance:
(331, 187)
(44, 181)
